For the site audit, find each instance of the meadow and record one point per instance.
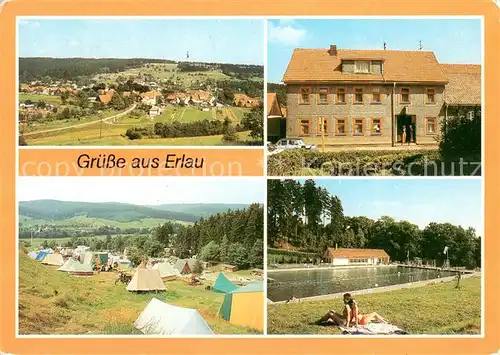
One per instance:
(113, 132)
(164, 71)
(48, 99)
(53, 302)
(432, 309)
(92, 222)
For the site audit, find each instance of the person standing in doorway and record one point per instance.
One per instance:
(403, 135)
(410, 133)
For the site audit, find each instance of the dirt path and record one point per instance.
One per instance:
(83, 124)
(182, 114)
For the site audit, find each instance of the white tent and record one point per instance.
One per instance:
(53, 259)
(146, 280)
(159, 318)
(166, 271)
(33, 254)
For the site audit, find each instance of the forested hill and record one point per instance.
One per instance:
(33, 68)
(67, 68)
(57, 210)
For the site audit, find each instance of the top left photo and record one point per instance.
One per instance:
(136, 81)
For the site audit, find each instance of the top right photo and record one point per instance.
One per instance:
(384, 96)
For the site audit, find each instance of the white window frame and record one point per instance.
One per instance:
(357, 69)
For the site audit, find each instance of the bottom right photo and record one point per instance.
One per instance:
(374, 256)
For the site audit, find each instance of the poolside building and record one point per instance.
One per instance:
(346, 256)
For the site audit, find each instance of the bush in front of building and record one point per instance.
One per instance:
(461, 138)
(366, 163)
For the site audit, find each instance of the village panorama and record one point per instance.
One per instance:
(86, 101)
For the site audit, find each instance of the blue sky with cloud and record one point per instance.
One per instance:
(223, 41)
(452, 40)
(419, 201)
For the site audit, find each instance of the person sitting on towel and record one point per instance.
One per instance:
(351, 315)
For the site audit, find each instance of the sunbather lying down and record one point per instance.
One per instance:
(351, 315)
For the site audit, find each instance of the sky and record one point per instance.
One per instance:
(419, 201)
(214, 40)
(452, 40)
(143, 190)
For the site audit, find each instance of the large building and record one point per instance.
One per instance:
(345, 256)
(372, 96)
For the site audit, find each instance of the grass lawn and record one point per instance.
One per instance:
(48, 99)
(53, 302)
(431, 309)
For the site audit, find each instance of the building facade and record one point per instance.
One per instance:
(365, 96)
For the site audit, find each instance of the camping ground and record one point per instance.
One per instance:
(431, 309)
(53, 302)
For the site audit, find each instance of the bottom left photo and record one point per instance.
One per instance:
(164, 256)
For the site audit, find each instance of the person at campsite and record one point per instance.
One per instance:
(351, 314)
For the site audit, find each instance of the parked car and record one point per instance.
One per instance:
(293, 143)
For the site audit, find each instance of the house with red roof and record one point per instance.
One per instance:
(373, 96)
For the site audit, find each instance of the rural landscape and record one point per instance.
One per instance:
(123, 268)
(176, 97)
(349, 107)
(323, 243)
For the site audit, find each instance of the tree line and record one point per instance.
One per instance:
(234, 237)
(308, 218)
(36, 68)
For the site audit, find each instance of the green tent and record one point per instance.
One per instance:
(244, 305)
(223, 285)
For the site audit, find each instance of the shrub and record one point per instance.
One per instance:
(364, 163)
(133, 133)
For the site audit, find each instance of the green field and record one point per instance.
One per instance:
(48, 99)
(35, 127)
(53, 302)
(36, 243)
(431, 309)
(91, 222)
(164, 71)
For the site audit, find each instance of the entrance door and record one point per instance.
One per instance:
(407, 129)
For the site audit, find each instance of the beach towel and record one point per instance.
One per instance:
(373, 329)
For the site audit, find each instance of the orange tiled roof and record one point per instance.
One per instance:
(355, 253)
(464, 84)
(105, 99)
(271, 97)
(317, 65)
(151, 94)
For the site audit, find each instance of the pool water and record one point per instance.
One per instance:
(283, 285)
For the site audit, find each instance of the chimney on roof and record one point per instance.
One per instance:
(385, 46)
(333, 50)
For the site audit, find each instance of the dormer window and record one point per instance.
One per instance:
(362, 66)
